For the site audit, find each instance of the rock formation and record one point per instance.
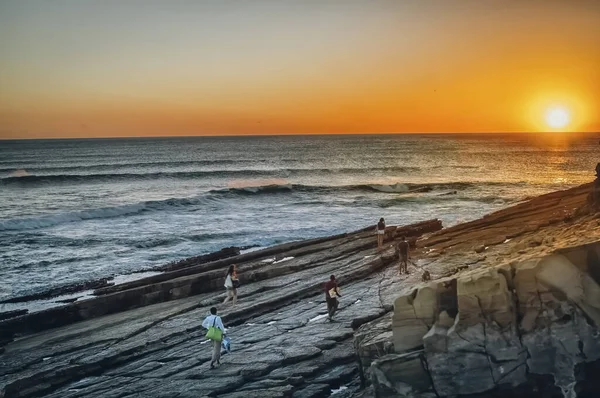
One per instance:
(521, 315)
(526, 319)
(539, 317)
(594, 198)
(145, 338)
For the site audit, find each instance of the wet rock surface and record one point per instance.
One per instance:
(282, 343)
(61, 290)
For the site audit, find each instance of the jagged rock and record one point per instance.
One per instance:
(12, 314)
(445, 320)
(400, 375)
(413, 315)
(539, 316)
(374, 340)
(563, 304)
(313, 391)
(594, 196)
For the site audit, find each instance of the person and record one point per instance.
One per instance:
(231, 284)
(426, 276)
(402, 254)
(213, 320)
(380, 233)
(331, 295)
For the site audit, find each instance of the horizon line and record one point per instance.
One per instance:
(557, 133)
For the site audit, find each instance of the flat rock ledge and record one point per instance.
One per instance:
(144, 338)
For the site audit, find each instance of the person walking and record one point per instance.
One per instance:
(331, 295)
(402, 248)
(231, 284)
(216, 331)
(380, 233)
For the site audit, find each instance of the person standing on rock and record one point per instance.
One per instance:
(214, 322)
(402, 254)
(231, 284)
(380, 233)
(331, 295)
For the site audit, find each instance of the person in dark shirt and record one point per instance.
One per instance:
(402, 254)
(380, 233)
(331, 295)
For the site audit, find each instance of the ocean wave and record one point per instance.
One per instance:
(159, 242)
(433, 199)
(397, 188)
(63, 218)
(58, 166)
(25, 177)
(210, 197)
(85, 178)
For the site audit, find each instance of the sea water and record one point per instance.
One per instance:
(75, 210)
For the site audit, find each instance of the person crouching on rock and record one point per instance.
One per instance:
(216, 331)
(402, 254)
(380, 233)
(231, 284)
(331, 295)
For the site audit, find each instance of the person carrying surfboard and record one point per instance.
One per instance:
(331, 295)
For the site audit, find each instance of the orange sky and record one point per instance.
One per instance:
(90, 69)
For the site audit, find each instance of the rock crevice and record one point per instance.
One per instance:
(514, 322)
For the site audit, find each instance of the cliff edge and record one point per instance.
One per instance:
(513, 307)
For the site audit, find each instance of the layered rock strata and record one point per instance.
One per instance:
(537, 317)
(494, 317)
(523, 318)
(282, 342)
(206, 278)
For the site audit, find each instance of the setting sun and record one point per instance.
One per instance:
(557, 118)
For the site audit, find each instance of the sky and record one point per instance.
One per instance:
(225, 67)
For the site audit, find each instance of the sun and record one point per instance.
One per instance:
(557, 118)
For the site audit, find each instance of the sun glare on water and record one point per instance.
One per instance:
(557, 118)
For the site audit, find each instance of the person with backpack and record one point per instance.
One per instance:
(216, 331)
(380, 233)
(331, 295)
(231, 284)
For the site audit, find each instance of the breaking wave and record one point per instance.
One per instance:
(24, 178)
(397, 188)
(209, 198)
(51, 220)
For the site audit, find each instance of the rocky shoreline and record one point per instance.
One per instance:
(477, 327)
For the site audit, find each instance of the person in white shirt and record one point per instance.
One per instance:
(214, 320)
(231, 284)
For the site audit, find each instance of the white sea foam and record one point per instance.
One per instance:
(393, 188)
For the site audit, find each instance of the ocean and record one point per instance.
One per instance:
(76, 210)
